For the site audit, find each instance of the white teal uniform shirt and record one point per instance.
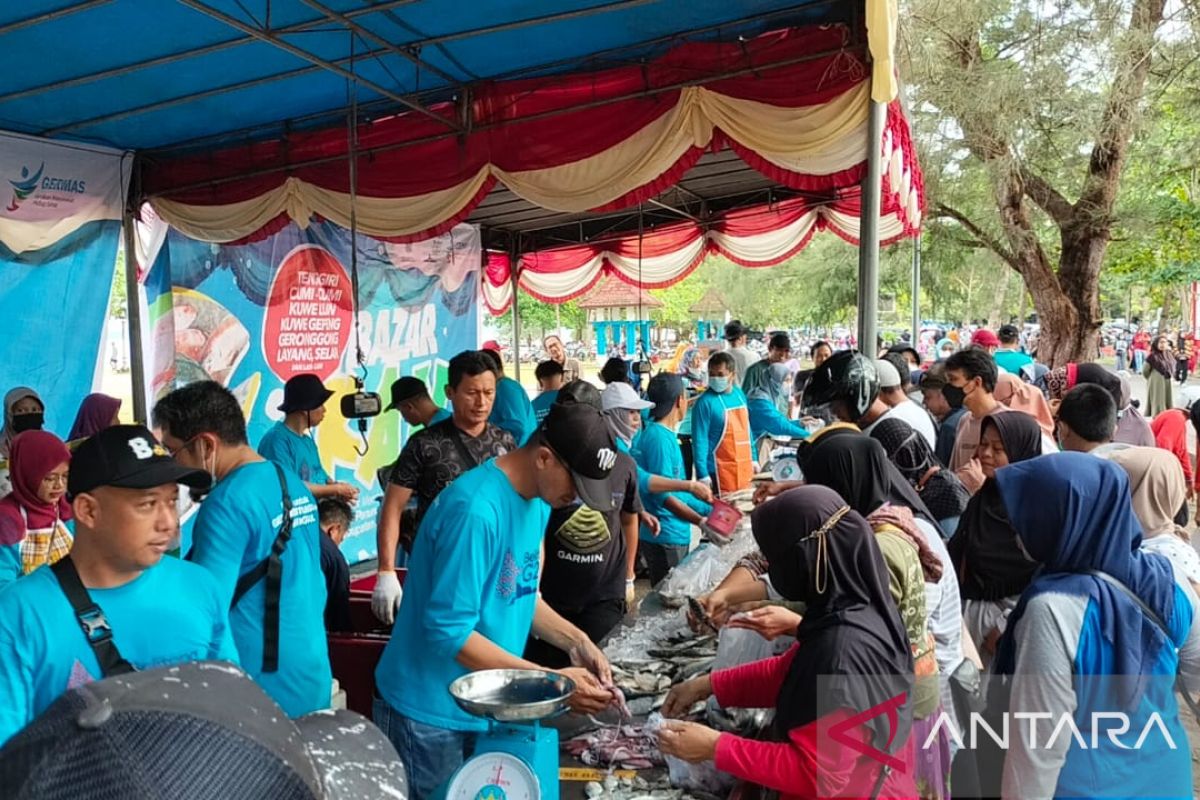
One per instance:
(170, 614)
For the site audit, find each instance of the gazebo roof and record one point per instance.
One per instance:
(713, 302)
(610, 292)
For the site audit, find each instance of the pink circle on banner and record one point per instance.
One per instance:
(309, 314)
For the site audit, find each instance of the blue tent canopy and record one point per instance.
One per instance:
(196, 74)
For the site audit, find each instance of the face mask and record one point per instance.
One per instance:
(719, 385)
(954, 395)
(28, 422)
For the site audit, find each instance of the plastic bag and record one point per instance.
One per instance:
(701, 777)
(695, 575)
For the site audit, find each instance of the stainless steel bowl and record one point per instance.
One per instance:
(512, 695)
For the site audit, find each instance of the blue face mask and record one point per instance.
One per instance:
(719, 385)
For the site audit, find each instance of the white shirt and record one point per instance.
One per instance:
(917, 418)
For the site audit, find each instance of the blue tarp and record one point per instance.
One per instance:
(144, 74)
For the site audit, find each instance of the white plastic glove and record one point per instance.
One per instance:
(385, 599)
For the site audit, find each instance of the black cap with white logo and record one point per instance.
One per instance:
(579, 435)
(127, 456)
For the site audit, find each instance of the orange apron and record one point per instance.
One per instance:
(734, 462)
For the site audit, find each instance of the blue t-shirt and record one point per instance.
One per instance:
(656, 451)
(292, 451)
(235, 527)
(438, 416)
(170, 614)
(541, 404)
(765, 420)
(709, 414)
(1012, 360)
(512, 411)
(474, 569)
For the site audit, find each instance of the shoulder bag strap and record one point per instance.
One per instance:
(1153, 616)
(463, 450)
(271, 568)
(91, 619)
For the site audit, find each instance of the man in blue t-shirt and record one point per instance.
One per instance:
(471, 598)
(123, 490)
(411, 398)
(512, 410)
(549, 376)
(657, 451)
(290, 444)
(235, 538)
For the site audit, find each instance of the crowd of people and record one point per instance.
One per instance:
(971, 516)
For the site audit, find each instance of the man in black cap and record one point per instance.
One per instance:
(290, 444)
(472, 592)
(139, 609)
(411, 398)
(743, 357)
(431, 460)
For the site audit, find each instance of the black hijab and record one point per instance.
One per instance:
(1094, 373)
(1020, 433)
(989, 563)
(855, 653)
(941, 490)
(855, 466)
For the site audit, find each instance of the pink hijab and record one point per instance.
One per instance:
(1021, 396)
(32, 455)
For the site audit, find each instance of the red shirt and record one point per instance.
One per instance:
(799, 769)
(1171, 433)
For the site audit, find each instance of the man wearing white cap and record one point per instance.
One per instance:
(891, 392)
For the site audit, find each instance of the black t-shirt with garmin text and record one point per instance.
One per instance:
(585, 549)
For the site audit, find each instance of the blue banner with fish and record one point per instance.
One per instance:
(250, 316)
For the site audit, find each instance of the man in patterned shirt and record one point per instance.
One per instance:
(430, 462)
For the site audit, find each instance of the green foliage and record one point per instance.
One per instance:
(538, 318)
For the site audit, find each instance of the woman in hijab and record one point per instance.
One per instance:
(33, 516)
(1021, 396)
(1132, 427)
(1159, 371)
(23, 411)
(764, 393)
(1097, 631)
(96, 413)
(992, 570)
(1158, 489)
(941, 490)
(923, 583)
(822, 554)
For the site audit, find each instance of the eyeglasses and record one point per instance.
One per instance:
(186, 445)
(55, 480)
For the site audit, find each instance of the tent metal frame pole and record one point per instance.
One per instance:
(403, 51)
(868, 234)
(50, 16)
(133, 316)
(172, 58)
(514, 255)
(601, 56)
(916, 289)
(329, 66)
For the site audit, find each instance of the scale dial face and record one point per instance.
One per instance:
(494, 776)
